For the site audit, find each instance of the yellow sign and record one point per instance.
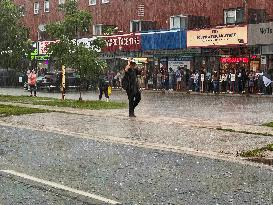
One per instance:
(224, 36)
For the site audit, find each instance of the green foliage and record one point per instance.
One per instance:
(253, 153)
(67, 51)
(14, 43)
(95, 105)
(257, 152)
(268, 124)
(8, 110)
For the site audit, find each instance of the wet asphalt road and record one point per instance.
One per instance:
(232, 108)
(129, 174)
(126, 174)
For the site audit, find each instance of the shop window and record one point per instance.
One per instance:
(137, 25)
(36, 8)
(46, 6)
(234, 16)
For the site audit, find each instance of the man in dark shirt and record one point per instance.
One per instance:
(103, 87)
(130, 84)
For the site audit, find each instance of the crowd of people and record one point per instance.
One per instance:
(229, 81)
(182, 79)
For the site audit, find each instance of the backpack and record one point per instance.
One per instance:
(125, 82)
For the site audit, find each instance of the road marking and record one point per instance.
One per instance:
(59, 186)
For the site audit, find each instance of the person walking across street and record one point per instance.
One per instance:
(130, 84)
(32, 79)
(103, 87)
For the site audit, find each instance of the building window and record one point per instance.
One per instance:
(105, 1)
(92, 2)
(137, 25)
(234, 16)
(46, 6)
(61, 2)
(36, 8)
(178, 22)
(22, 10)
(97, 30)
(257, 16)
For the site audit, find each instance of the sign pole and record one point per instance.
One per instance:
(63, 82)
(202, 82)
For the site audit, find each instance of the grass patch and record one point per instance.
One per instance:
(268, 124)
(245, 132)
(8, 110)
(257, 152)
(93, 105)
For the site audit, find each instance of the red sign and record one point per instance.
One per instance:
(234, 60)
(43, 47)
(126, 42)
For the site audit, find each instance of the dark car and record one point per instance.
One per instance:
(49, 82)
(40, 81)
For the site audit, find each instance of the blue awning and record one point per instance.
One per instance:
(163, 40)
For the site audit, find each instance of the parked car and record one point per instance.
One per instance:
(49, 82)
(40, 81)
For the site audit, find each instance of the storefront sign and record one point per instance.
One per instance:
(127, 42)
(87, 42)
(217, 37)
(261, 34)
(175, 64)
(234, 60)
(40, 58)
(44, 46)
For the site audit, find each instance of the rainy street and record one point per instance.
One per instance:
(136, 102)
(172, 153)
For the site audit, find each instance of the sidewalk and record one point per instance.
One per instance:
(75, 94)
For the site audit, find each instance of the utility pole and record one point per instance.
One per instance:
(63, 82)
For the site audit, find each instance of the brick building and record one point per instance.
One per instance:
(142, 15)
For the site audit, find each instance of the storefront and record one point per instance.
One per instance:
(222, 48)
(42, 60)
(262, 35)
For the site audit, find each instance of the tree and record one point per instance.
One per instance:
(67, 50)
(14, 42)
